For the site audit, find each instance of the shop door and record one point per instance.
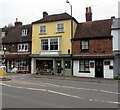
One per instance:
(58, 67)
(99, 68)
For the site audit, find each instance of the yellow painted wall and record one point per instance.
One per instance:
(51, 31)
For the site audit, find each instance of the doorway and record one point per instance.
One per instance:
(58, 67)
(99, 68)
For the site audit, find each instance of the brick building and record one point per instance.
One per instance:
(92, 48)
(16, 41)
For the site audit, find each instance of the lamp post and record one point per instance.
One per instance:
(4, 50)
(67, 1)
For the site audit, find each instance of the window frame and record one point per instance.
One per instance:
(24, 32)
(86, 46)
(49, 44)
(43, 30)
(22, 47)
(86, 66)
(61, 28)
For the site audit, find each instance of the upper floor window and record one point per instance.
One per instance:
(60, 27)
(22, 47)
(50, 44)
(2, 34)
(24, 32)
(84, 45)
(43, 29)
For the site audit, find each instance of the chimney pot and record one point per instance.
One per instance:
(17, 23)
(88, 14)
(45, 14)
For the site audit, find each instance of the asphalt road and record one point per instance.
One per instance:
(24, 91)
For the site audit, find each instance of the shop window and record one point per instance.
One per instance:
(84, 66)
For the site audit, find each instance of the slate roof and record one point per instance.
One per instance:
(101, 28)
(13, 34)
(55, 17)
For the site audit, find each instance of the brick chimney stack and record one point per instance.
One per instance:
(45, 14)
(17, 23)
(88, 14)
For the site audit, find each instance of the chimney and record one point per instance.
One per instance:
(17, 23)
(45, 14)
(88, 14)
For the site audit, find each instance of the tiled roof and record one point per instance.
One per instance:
(55, 17)
(13, 34)
(101, 28)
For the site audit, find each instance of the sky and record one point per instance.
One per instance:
(28, 11)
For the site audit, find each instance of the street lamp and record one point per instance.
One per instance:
(67, 1)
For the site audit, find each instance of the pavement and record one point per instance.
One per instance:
(82, 79)
(71, 78)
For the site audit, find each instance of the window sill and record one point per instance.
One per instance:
(59, 32)
(42, 33)
(84, 71)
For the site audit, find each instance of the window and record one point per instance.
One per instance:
(42, 29)
(22, 47)
(60, 27)
(44, 44)
(53, 44)
(3, 34)
(24, 32)
(84, 45)
(67, 64)
(50, 44)
(22, 65)
(84, 65)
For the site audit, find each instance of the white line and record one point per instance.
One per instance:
(60, 93)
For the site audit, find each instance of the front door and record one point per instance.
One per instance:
(58, 67)
(99, 68)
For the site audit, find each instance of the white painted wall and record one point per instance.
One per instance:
(115, 34)
(76, 70)
(108, 73)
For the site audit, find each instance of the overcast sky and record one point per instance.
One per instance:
(28, 11)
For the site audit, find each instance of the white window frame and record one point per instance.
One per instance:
(22, 49)
(60, 28)
(84, 65)
(24, 32)
(58, 39)
(84, 45)
(43, 29)
(3, 34)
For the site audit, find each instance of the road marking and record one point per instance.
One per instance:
(59, 93)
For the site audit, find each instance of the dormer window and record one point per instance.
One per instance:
(24, 32)
(2, 34)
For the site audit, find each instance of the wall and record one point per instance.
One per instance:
(76, 70)
(51, 31)
(108, 73)
(97, 45)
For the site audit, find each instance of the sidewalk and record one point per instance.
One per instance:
(82, 79)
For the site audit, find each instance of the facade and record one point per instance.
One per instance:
(92, 49)
(115, 31)
(51, 44)
(16, 47)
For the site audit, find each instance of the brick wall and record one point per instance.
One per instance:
(96, 47)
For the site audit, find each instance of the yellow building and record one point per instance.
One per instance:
(51, 44)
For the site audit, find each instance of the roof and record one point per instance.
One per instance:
(55, 17)
(13, 34)
(116, 23)
(101, 28)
